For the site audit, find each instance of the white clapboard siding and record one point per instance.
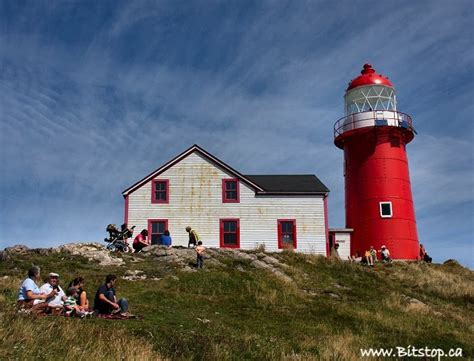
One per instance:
(344, 241)
(195, 199)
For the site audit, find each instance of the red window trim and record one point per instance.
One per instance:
(150, 221)
(221, 232)
(156, 201)
(224, 194)
(280, 243)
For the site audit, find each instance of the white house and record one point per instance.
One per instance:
(229, 209)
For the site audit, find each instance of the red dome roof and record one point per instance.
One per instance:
(368, 77)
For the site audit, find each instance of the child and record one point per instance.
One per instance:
(70, 305)
(200, 249)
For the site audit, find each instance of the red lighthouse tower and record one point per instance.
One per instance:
(373, 135)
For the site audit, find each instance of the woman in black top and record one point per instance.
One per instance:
(78, 284)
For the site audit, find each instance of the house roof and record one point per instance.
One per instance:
(262, 184)
(289, 183)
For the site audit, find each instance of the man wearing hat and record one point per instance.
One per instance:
(385, 254)
(52, 283)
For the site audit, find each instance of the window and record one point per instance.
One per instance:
(160, 191)
(286, 233)
(230, 191)
(156, 227)
(230, 233)
(386, 209)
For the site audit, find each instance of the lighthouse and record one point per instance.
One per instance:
(373, 135)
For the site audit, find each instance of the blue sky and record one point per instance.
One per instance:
(96, 94)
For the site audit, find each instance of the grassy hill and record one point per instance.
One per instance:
(243, 305)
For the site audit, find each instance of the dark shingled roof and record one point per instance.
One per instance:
(305, 183)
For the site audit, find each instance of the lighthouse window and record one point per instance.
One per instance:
(386, 209)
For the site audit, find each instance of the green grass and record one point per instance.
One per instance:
(329, 311)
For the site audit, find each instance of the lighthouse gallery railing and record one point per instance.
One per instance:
(373, 118)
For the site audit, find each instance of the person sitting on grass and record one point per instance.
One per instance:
(356, 258)
(55, 302)
(141, 241)
(385, 253)
(105, 301)
(200, 250)
(368, 258)
(373, 254)
(424, 255)
(334, 251)
(29, 295)
(71, 308)
(81, 299)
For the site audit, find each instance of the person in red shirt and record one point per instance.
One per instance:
(141, 241)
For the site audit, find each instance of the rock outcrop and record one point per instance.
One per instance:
(93, 252)
(19, 248)
(178, 257)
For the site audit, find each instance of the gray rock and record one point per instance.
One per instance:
(158, 251)
(244, 256)
(337, 285)
(264, 266)
(19, 248)
(281, 275)
(260, 265)
(221, 251)
(4, 256)
(169, 259)
(189, 269)
(134, 277)
(310, 292)
(42, 251)
(203, 320)
(133, 273)
(93, 251)
(213, 261)
(274, 262)
(415, 301)
(331, 294)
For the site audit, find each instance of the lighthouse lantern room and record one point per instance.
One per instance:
(378, 199)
